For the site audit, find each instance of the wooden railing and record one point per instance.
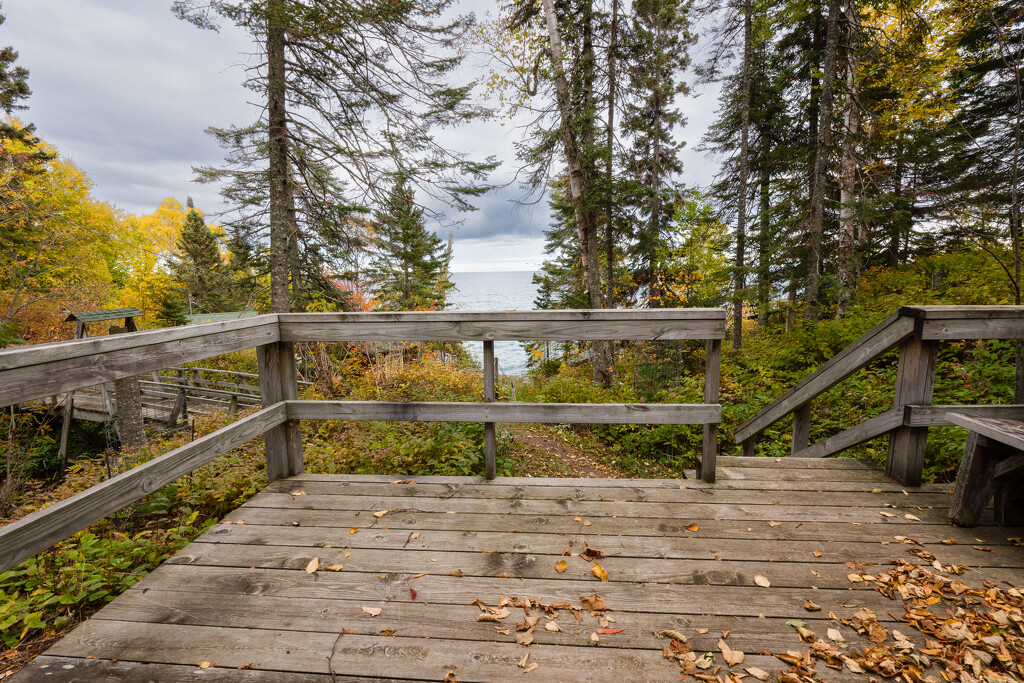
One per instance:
(917, 330)
(33, 372)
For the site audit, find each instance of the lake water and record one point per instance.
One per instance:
(496, 291)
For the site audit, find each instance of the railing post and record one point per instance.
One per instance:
(915, 380)
(801, 428)
(712, 380)
(749, 447)
(490, 443)
(278, 382)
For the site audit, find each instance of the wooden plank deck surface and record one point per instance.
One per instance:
(240, 597)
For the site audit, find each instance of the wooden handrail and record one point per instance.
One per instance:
(917, 331)
(28, 373)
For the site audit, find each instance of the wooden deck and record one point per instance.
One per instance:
(681, 555)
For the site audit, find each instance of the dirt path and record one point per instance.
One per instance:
(540, 451)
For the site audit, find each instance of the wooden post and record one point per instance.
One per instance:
(490, 442)
(801, 428)
(712, 380)
(915, 380)
(278, 382)
(749, 447)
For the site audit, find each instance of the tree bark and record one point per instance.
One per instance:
(741, 203)
(277, 134)
(579, 178)
(609, 213)
(128, 419)
(847, 253)
(816, 220)
(764, 238)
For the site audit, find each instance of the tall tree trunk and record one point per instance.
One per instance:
(816, 220)
(847, 253)
(741, 204)
(609, 212)
(278, 157)
(791, 303)
(893, 257)
(578, 183)
(764, 238)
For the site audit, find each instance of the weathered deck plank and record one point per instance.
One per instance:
(240, 595)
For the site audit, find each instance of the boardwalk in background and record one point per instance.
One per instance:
(679, 554)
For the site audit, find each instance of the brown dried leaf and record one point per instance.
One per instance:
(914, 518)
(759, 674)
(313, 565)
(523, 661)
(812, 606)
(732, 657)
(762, 581)
(552, 627)
(774, 523)
(674, 635)
(456, 572)
(333, 568)
(530, 668)
(372, 611)
(816, 554)
(560, 566)
(593, 602)
(692, 526)
(204, 665)
(380, 513)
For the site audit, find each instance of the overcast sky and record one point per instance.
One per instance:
(125, 90)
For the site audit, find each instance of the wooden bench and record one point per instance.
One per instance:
(992, 468)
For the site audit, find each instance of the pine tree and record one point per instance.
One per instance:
(198, 266)
(410, 266)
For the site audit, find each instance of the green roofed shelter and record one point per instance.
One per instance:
(108, 314)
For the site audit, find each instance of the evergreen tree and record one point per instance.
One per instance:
(352, 93)
(410, 266)
(172, 310)
(198, 266)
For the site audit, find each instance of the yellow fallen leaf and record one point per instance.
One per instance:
(353, 530)
(886, 514)
(204, 665)
(732, 657)
(854, 578)
(692, 526)
(524, 660)
(298, 493)
(912, 517)
(530, 668)
(414, 535)
(560, 566)
(313, 565)
(816, 553)
(577, 519)
(876, 490)
(372, 611)
(334, 568)
(598, 571)
(380, 513)
(701, 630)
(774, 523)
(761, 581)
(587, 523)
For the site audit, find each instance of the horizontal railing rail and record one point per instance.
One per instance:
(917, 331)
(28, 373)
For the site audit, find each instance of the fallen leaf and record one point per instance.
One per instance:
(854, 578)
(701, 630)
(598, 571)
(525, 638)
(674, 635)
(816, 553)
(372, 611)
(577, 519)
(413, 591)
(876, 490)
(313, 565)
(560, 566)
(380, 513)
(593, 602)
(387, 632)
(418, 576)
(588, 523)
(488, 617)
(774, 523)
(455, 572)
(414, 535)
(333, 568)
(449, 677)
(298, 493)
(759, 674)
(353, 530)
(552, 627)
(204, 665)
(886, 514)
(531, 668)
(761, 581)
(732, 657)
(835, 636)
(692, 526)
(910, 517)
(812, 606)
(705, 661)
(852, 665)
(524, 660)
(609, 631)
